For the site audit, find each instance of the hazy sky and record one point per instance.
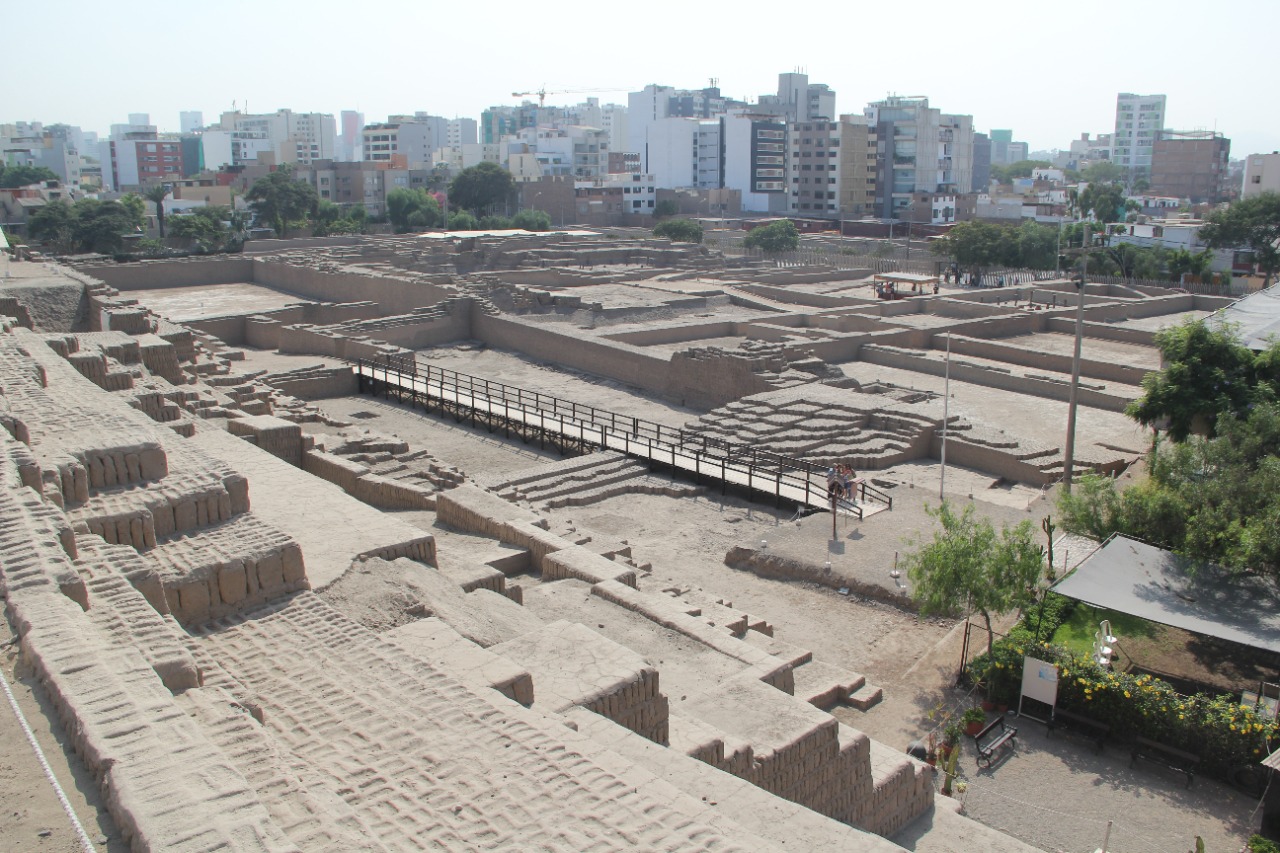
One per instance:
(1049, 71)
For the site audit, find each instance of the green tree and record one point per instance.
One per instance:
(679, 230)
(1215, 499)
(1207, 372)
(463, 221)
(1104, 201)
(1021, 169)
(532, 220)
(1036, 246)
(136, 208)
(21, 176)
(666, 207)
(495, 223)
(1182, 261)
(156, 195)
(54, 223)
(1102, 172)
(407, 209)
(780, 236)
(969, 568)
(482, 189)
(1253, 222)
(280, 199)
(974, 245)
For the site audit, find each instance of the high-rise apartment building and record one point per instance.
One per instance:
(1139, 120)
(350, 145)
(293, 137)
(800, 100)
(754, 147)
(918, 150)
(462, 131)
(189, 121)
(136, 155)
(832, 167)
(1191, 164)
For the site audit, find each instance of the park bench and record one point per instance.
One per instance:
(1098, 732)
(1174, 759)
(992, 737)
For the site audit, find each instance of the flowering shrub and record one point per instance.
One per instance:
(1225, 734)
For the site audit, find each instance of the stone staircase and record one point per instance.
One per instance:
(585, 480)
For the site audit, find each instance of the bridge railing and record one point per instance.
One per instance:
(659, 439)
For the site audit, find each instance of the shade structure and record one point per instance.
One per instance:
(1133, 577)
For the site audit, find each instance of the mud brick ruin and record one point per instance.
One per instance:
(266, 627)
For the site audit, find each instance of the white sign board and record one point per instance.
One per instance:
(1039, 682)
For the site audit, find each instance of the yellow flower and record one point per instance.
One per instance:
(1233, 727)
(1126, 694)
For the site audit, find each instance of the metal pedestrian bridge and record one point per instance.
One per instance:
(574, 427)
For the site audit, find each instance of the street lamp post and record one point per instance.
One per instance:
(1069, 456)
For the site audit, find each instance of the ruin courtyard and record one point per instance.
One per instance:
(266, 589)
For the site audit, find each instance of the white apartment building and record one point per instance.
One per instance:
(1139, 120)
(1261, 174)
(30, 144)
(415, 141)
(294, 137)
(459, 157)
(639, 192)
(462, 131)
(587, 148)
(755, 160)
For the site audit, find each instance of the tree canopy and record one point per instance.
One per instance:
(484, 188)
(1105, 201)
(977, 245)
(281, 200)
(409, 209)
(213, 228)
(1102, 172)
(21, 176)
(1252, 222)
(1215, 499)
(969, 568)
(1020, 169)
(679, 230)
(331, 219)
(780, 236)
(1208, 373)
(664, 208)
(87, 226)
(532, 220)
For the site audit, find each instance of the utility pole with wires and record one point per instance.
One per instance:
(1069, 457)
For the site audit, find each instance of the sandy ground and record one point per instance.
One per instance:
(31, 818)
(197, 303)
(572, 385)
(1053, 793)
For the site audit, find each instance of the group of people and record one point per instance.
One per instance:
(842, 482)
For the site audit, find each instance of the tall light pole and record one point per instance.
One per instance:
(946, 417)
(1069, 461)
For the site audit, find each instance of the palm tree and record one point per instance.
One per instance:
(157, 194)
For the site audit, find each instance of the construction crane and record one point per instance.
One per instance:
(543, 92)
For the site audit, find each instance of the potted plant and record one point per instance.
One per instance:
(961, 788)
(951, 736)
(974, 719)
(931, 757)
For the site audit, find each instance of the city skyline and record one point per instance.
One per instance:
(1043, 79)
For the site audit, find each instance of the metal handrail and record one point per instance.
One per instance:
(729, 456)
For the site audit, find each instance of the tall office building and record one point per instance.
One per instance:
(1139, 120)
(189, 121)
(352, 122)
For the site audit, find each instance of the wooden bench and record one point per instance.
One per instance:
(1098, 732)
(992, 737)
(1174, 759)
